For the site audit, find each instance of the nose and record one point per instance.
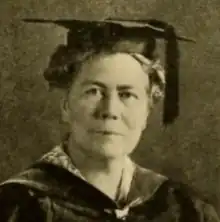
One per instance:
(109, 107)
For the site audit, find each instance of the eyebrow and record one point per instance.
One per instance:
(92, 82)
(102, 85)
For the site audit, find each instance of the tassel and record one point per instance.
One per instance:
(171, 99)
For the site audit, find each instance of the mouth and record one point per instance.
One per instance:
(107, 132)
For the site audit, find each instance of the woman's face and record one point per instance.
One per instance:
(107, 106)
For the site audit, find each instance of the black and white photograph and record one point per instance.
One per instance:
(109, 111)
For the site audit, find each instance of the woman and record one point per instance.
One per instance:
(111, 81)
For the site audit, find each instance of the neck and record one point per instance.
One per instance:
(102, 172)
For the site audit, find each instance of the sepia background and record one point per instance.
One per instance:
(29, 114)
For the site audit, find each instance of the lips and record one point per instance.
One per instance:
(106, 132)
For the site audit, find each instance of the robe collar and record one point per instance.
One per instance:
(138, 184)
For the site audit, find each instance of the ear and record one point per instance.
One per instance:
(149, 107)
(65, 113)
(144, 125)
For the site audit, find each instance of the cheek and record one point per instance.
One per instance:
(136, 117)
(81, 111)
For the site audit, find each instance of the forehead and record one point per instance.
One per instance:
(113, 69)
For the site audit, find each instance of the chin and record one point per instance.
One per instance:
(111, 151)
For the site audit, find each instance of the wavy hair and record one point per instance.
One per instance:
(66, 62)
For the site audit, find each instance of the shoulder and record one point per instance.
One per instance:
(189, 202)
(163, 194)
(17, 203)
(202, 205)
(21, 196)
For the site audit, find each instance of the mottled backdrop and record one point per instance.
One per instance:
(29, 115)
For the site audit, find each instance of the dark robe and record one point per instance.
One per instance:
(47, 192)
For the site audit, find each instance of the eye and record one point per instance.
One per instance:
(128, 95)
(93, 91)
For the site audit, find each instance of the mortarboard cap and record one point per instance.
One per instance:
(83, 34)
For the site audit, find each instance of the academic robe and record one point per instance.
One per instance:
(53, 190)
